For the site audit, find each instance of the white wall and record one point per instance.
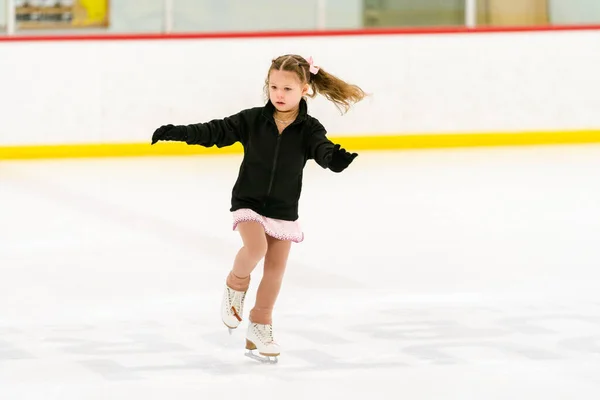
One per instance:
(574, 11)
(131, 16)
(120, 91)
(244, 15)
(2, 15)
(135, 16)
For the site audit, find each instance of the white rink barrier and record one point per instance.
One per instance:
(112, 92)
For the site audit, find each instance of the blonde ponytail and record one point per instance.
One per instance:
(341, 93)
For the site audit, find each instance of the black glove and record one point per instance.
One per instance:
(340, 159)
(170, 132)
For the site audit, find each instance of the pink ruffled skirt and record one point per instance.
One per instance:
(276, 228)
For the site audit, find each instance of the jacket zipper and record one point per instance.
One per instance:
(274, 164)
(275, 160)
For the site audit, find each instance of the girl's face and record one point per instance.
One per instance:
(285, 90)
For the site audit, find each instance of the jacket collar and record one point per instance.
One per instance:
(269, 109)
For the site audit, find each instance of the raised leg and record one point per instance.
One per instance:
(238, 280)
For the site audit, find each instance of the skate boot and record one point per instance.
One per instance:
(232, 307)
(260, 337)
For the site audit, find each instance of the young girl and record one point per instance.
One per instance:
(278, 139)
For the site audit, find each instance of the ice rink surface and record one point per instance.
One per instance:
(444, 274)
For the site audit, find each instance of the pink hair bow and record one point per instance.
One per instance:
(313, 69)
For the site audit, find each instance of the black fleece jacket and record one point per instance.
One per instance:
(270, 175)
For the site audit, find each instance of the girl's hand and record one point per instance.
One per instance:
(171, 133)
(340, 159)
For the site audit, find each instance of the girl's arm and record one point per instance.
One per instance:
(327, 154)
(319, 147)
(217, 132)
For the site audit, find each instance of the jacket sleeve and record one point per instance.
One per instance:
(218, 132)
(319, 147)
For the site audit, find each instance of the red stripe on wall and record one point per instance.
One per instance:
(308, 33)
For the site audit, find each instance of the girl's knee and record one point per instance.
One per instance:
(257, 250)
(255, 242)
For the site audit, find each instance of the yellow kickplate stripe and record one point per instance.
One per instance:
(352, 143)
(400, 142)
(110, 150)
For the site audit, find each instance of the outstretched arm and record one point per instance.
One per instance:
(217, 132)
(327, 154)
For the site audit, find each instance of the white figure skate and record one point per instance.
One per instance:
(260, 337)
(232, 308)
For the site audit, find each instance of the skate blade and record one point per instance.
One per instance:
(262, 359)
(229, 328)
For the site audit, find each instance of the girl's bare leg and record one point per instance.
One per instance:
(253, 250)
(268, 290)
(238, 279)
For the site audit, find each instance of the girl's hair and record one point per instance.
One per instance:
(333, 88)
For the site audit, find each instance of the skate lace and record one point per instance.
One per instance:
(266, 334)
(237, 301)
